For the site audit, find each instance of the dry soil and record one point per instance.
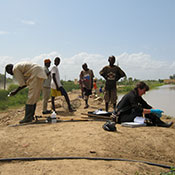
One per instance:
(82, 139)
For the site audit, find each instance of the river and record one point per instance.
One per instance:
(162, 98)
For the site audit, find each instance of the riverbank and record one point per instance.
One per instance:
(20, 98)
(83, 139)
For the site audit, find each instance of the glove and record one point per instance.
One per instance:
(158, 112)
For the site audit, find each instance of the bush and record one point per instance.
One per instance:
(3, 95)
(3, 106)
(69, 85)
(12, 87)
(20, 98)
(17, 100)
(3, 99)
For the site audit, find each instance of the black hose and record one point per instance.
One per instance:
(87, 158)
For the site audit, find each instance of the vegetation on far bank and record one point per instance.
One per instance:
(126, 85)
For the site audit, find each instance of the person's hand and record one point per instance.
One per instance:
(158, 112)
(12, 93)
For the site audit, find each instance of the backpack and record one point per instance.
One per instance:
(109, 126)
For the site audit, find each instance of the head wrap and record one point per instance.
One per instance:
(47, 61)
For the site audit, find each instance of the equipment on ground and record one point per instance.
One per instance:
(109, 126)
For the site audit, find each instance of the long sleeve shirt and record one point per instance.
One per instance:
(24, 72)
(132, 103)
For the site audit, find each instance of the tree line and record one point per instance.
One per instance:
(172, 76)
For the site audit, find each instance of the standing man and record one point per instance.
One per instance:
(86, 78)
(46, 86)
(31, 75)
(111, 74)
(56, 86)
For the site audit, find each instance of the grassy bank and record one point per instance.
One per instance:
(20, 98)
(128, 87)
(15, 101)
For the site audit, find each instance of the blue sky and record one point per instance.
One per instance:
(140, 33)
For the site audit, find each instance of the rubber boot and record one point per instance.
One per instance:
(106, 107)
(163, 124)
(156, 121)
(34, 108)
(53, 103)
(29, 113)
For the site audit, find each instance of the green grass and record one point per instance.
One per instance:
(14, 101)
(171, 172)
(69, 85)
(20, 98)
(128, 85)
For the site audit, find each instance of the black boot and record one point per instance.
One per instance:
(160, 123)
(156, 121)
(29, 113)
(34, 108)
(106, 107)
(167, 125)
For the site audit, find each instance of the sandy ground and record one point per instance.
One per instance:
(82, 139)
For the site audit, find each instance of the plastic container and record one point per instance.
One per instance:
(53, 117)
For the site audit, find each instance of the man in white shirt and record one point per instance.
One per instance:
(46, 86)
(56, 86)
(29, 75)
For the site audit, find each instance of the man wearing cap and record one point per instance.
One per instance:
(46, 86)
(31, 75)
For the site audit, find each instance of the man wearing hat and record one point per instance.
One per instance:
(31, 75)
(46, 86)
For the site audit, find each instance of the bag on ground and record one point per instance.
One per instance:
(109, 126)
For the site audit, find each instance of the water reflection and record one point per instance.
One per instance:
(162, 98)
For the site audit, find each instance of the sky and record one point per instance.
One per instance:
(139, 33)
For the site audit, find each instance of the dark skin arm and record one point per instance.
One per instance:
(48, 73)
(16, 90)
(103, 73)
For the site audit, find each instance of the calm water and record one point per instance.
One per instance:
(162, 98)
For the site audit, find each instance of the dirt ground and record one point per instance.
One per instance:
(82, 139)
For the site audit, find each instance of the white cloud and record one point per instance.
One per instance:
(172, 66)
(4, 61)
(40, 59)
(3, 32)
(137, 65)
(143, 66)
(28, 22)
(72, 66)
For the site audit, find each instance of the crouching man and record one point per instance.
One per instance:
(28, 75)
